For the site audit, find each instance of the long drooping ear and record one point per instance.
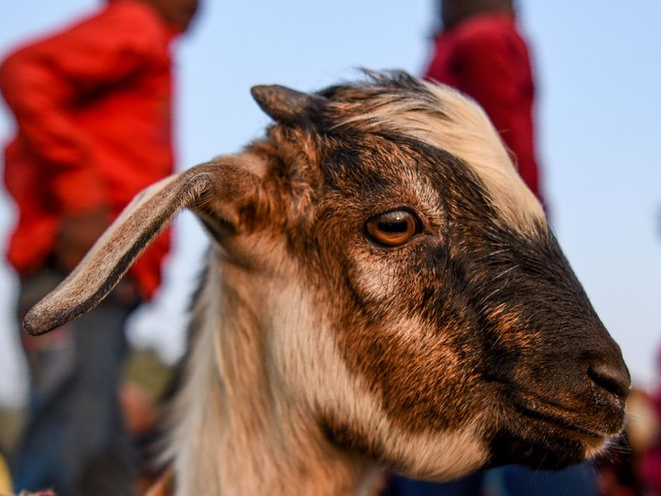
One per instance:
(213, 190)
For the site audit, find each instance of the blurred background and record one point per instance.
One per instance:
(598, 112)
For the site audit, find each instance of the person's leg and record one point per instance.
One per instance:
(97, 453)
(75, 441)
(50, 361)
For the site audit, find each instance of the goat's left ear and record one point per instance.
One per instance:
(216, 190)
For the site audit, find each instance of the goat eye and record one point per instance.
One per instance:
(392, 228)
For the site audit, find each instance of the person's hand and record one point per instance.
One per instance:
(77, 234)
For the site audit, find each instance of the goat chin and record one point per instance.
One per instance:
(382, 290)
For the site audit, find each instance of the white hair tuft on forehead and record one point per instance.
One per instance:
(455, 123)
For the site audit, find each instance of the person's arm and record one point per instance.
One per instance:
(41, 100)
(45, 82)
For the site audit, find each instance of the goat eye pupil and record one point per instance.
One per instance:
(392, 228)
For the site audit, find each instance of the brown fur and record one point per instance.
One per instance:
(318, 355)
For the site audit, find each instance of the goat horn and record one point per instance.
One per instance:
(284, 104)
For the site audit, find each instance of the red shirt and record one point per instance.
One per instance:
(92, 105)
(485, 57)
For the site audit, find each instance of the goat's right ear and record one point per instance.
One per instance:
(216, 189)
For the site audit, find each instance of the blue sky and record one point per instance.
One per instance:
(598, 130)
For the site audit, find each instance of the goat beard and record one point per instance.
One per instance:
(535, 447)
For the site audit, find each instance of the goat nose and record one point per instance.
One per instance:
(612, 377)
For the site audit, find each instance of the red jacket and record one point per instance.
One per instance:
(486, 58)
(92, 106)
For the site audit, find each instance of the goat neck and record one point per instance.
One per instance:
(238, 430)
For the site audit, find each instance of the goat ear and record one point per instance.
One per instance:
(211, 190)
(286, 105)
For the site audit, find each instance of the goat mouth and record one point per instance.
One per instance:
(562, 426)
(563, 420)
(543, 435)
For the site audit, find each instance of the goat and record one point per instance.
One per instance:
(381, 290)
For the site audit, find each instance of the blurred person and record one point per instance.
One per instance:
(622, 468)
(481, 52)
(92, 106)
(618, 471)
(650, 447)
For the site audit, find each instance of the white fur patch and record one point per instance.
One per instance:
(467, 133)
(264, 369)
(315, 367)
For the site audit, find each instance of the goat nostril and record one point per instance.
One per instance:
(612, 378)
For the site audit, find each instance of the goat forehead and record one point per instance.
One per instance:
(442, 118)
(370, 174)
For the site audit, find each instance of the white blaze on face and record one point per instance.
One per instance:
(466, 132)
(307, 354)
(470, 136)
